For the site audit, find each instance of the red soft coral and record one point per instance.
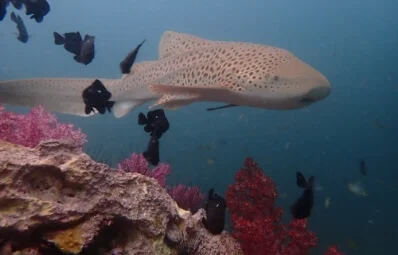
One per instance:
(257, 222)
(36, 126)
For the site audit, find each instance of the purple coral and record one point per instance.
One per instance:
(188, 198)
(136, 163)
(36, 126)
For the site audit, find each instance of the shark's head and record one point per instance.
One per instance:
(274, 78)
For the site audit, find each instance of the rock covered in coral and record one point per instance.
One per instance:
(56, 200)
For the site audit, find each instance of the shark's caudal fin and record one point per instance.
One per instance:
(61, 95)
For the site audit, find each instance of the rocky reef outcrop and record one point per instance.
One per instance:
(57, 200)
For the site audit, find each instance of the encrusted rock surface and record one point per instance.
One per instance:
(56, 200)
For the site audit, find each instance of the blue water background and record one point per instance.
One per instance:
(354, 43)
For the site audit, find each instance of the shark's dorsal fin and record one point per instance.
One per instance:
(141, 66)
(172, 43)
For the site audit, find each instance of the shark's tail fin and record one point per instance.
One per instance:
(61, 95)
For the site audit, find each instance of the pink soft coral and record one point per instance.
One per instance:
(36, 126)
(188, 198)
(136, 163)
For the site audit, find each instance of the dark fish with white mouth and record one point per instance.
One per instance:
(129, 60)
(37, 9)
(23, 35)
(72, 41)
(96, 96)
(303, 206)
(156, 124)
(87, 51)
(215, 213)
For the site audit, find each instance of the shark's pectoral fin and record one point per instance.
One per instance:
(221, 107)
(174, 97)
(122, 108)
(174, 101)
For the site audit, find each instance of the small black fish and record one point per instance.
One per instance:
(303, 206)
(72, 41)
(221, 107)
(23, 35)
(87, 51)
(129, 60)
(3, 9)
(362, 167)
(97, 96)
(37, 9)
(152, 152)
(155, 123)
(215, 213)
(17, 4)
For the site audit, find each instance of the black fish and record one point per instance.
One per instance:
(23, 35)
(362, 167)
(303, 206)
(97, 96)
(17, 4)
(37, 9)
(155, 123)
(87, 51)
(152, 152)
(221, 107)
(72, 41)
(129, 60)
(215, 213)
(3, 9)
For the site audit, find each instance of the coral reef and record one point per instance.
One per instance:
(37, 125)
(257, 222)
(56, 200)
(136, 163)
(187, 198)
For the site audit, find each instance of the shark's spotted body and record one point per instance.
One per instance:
(189, 69)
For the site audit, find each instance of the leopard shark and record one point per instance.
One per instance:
(189, 69)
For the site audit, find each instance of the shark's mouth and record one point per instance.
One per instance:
(315, 95)
(307, 100)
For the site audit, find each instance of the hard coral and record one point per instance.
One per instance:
(36, 126)
(57, 200)
(257, 222)
(188, 198)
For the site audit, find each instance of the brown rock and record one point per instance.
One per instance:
(55, 200)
